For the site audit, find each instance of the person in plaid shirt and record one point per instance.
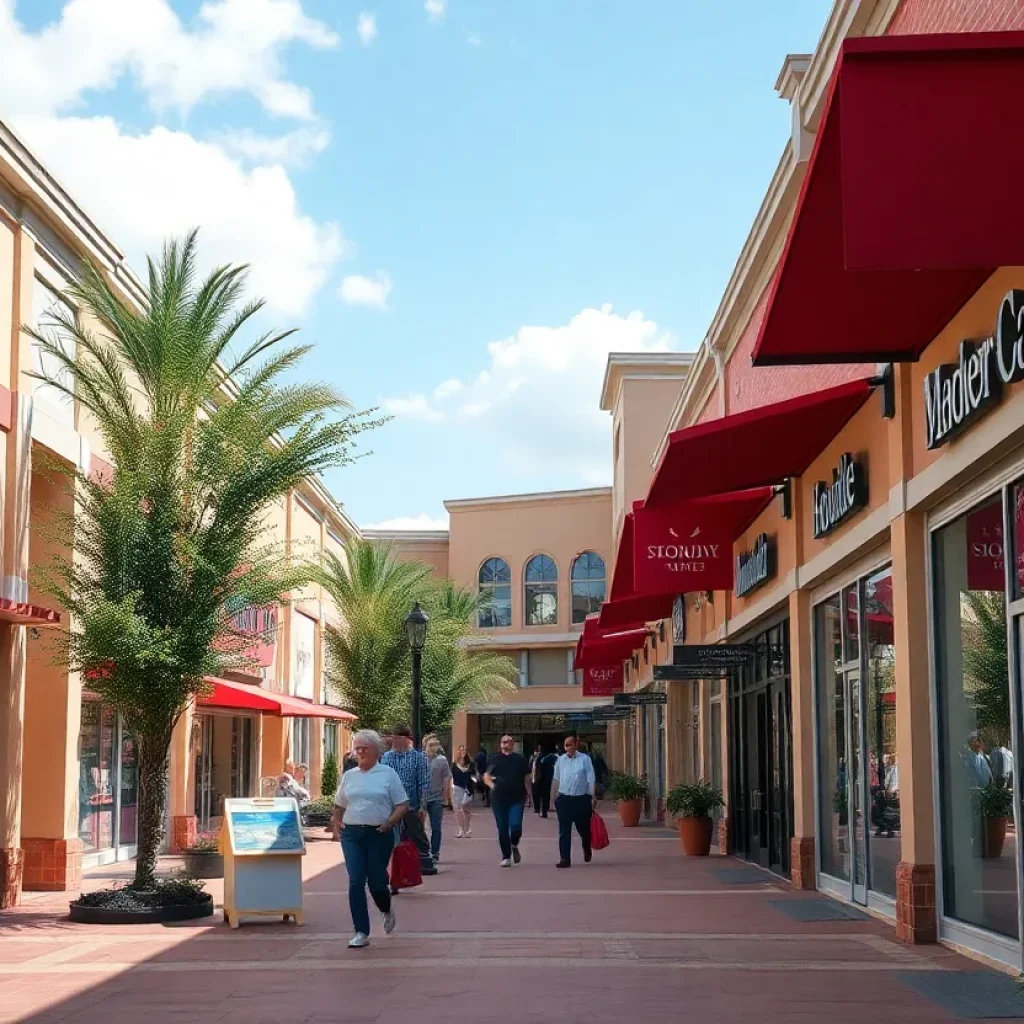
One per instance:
(413, 769)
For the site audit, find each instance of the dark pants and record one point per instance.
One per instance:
(417, 834)
(573, 810)
(367, 853)
(542, 796)
(509, 819)
(435, 811)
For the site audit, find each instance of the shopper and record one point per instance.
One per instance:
(368, 805)
(535, 776)
(289, 785)
(414, 771)
(481, 769)
(573, 793)
(507, 778)
(464, 778)
(547, 773)
(440, 793)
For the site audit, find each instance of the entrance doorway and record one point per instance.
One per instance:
(223, 748)
(760, 797)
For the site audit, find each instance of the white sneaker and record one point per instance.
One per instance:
(506, 863)
(469, 832)
(389, 922)
(458, 835)
(359, 940)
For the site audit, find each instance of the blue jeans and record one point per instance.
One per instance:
(509, 819)
(435, 811)
(367, 853)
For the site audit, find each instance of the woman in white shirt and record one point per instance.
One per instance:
(369, 804)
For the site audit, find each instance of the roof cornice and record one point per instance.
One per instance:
(585, 494)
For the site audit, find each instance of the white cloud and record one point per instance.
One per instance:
(436, 9)
(420, 522)
(473, 39)
(293, 149)
(366, 28)
(371, 292)
(538, 396)
(141, 186)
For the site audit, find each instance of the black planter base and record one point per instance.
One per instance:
(152, 915)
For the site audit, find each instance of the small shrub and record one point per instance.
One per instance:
(177, 891)
(698, 800)
(622, 786)
(329, 777)
(995, 800)
(205, 842)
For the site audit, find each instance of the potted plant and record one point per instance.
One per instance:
(629, 792)
(203, 859)
(995, 805)
(317, 813)
(693, 805)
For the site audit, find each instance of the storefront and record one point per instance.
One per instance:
(539, 730)
(225, 764)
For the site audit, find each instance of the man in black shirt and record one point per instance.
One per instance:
(507, 778)
(481, 768)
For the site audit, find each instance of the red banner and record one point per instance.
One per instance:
(681, 549)
(985, 548)
(602, 681)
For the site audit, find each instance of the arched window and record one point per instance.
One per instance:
(495, 580)
(588, 585)
(541, 591)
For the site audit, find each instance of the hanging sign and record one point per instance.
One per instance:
(713, 656)
(679, 620)
(579, 717)
(834, 503)
(668, 673)
(985, 548)
(636, 699)
(756, 566)
(956, 394)
(677, 550)
(612, 713)
(602, 680)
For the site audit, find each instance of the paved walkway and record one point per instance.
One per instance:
(641, 931)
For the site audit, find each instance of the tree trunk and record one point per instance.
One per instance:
(153, 756)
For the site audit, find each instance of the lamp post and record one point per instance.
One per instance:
(416, 633)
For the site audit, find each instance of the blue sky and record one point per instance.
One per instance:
(465, 204)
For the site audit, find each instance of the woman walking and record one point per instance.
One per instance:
(463, 779)
(369, 804)
(439, 794)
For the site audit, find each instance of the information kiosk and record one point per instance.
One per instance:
(263, 850)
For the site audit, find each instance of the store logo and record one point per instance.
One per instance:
(756, 566)
(604, 676)
(836, 502)
(957, 394)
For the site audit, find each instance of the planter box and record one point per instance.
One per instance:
(630, 811)
(695, 835)
(154, 915)
(203, 865)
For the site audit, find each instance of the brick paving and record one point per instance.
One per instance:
(642, 930)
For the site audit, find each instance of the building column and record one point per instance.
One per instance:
(181, 784)
(460, 733)
(916, 915)
(12, 714)
(704, 721)
(675, 734)
(801, 673)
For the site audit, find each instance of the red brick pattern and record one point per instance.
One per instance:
(923, 16)
(10, 878)
(52, 865)
(183, 832)
(801, 859)
(915, 903)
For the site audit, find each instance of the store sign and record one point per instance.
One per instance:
(673, 552)
(682, 673)
(834, 503)
(639, 699)
(714, 656)
(985, 548)
(756, 566)
(612, 713)
(602, 680)
(956, 394)
(679, 620)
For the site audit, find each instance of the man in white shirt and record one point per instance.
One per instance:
(573, 795)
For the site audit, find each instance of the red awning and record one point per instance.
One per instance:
(910, 200)
(22, 613)
(624, 609)
(753, 448)
(229, 694)
(601, 647)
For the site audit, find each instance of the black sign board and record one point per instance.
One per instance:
(633, 699)
(755, 567)
(713, 656)
(834, 503)
(579, 717)
(611, 713)
(667, 673)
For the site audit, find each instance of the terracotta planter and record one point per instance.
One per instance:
(993, 836)
(695, 834)
(630, 811)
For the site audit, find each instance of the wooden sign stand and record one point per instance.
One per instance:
(263, 850)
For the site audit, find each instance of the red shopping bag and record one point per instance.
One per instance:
(598, 832)
(405, 866)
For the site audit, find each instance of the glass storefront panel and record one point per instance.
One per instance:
(129, 790)
(107, 783)
(975, 759)
(832, 763)
(223, 764)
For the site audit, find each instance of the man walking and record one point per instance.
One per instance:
(573, 792)
(507, 776)
(414, 771)
(481, 769)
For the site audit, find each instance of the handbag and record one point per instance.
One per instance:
(598, 832)
(405, 866)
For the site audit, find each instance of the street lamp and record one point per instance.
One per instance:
(416, 633)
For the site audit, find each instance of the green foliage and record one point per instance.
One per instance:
(169, 546)
(178, 891)
(369, 664)
(986, 668)
(698, 800)
(622, 786)
(320, 806)
(329, 777)
(995, 800)
(205, 842)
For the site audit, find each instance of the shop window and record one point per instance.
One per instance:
(541, 581)
(832, 764)
(495, 590)
(588, 586)
(547, 668)
(96, 776)
(300, 741)
(976, 763)
(46, 304)
(330, 740)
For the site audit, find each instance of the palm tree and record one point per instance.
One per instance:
(368, 656)
(203, 442)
